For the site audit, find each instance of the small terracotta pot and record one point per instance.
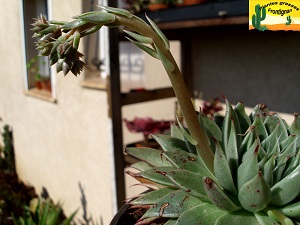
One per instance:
(193, 2)
(155, 7)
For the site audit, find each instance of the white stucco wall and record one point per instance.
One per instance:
(57, 144)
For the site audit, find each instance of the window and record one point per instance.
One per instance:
(38, 76)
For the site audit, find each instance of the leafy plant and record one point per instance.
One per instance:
(7, 155)
(43, 212)
(245, 171)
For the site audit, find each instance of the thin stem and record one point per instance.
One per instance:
(180, 89)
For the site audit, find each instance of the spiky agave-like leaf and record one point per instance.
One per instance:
(256, 177)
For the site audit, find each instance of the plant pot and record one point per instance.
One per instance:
(38, 85)
(46, 85)
(155, 7)
(124, 217)
(193, 2)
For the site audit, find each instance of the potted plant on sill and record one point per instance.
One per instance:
(245, 172)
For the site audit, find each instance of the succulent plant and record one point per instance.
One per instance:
(245, 171)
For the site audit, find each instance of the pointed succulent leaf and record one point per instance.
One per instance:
(260, 128)
(250, 151)
(271, 140)
(141, 166)
(218, 197)
(231, 151)
(117, 11)
(151, 156)
(159, 32)
(292, 164)
(172, 205)
(205, 213)
(156, 176)
(267, 170)
(248, 140)
(97, 17)
(222, 170)
(176, 132)
(292, 210)
(139, 38)
(152, 197)
(242, 116)
(279, 216)
(287, 189)
(145, 48)
(264, 219)
(212, 130)
(279, 169)
(189, 182)
(169, 67)
(247, 170)
(295, 126)
(259, 110)
(169, 143)
(274, 122)
(187, 161)
(288, 151)
(255, 195)
(186, 134)
(91, 30)
(73, 24)
(237, 217)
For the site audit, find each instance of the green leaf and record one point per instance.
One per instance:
(255, 195)
(205, 214)
(139, 38)
(150, 155)
(172, 205)
(267, 170)
(222, 170)
(264, 219)
(231, 151)
(295, 126)
(260, 128)
(176, 132)
(292, 210)
(91, 30)
(171, 222)
(145, 48)
(74, 24)
(189, 182)
(247, 170)
(98, 17)
(141, 166)
(218, 197)
(187, 161)
(287, 189)
(159, 32)
(238, 217)
(169, 143)
(152, 197)
(117, 11)
(169, 67)
(242, 116)
(186, 134)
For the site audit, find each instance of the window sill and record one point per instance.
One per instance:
(95, 83)
(40, 94)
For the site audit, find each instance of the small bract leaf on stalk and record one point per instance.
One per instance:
(139, 38)
(117, 11)
(159, 32)
(169, 67)
(73, 24)
(98, 17)
(145, 48)
(186, 134)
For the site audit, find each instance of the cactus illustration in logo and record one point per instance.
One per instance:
(289, 20)
(260, 15)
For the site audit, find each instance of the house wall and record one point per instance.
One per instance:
(57, 144)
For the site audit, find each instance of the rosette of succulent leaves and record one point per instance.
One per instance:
(245, 171)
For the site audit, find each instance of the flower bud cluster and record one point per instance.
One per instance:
(61, 49)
